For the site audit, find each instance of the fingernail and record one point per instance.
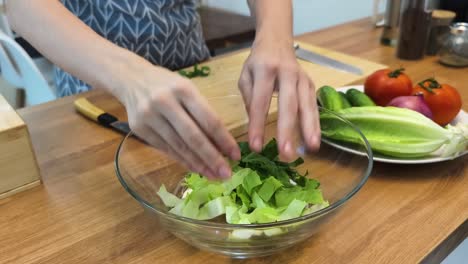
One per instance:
(224, 172)
(257, 144)
(235, 154)
(314, 142)
(288, 149)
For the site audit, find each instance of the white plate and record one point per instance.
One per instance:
(462, 117)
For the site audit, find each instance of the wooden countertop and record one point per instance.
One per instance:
(81, 214)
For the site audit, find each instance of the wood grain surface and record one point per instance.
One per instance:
(81, 214)
(18, 167)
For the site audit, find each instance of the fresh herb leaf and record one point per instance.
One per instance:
(270, 150)
(244, 148)
(197, 72)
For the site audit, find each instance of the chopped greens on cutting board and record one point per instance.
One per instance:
(262, 189)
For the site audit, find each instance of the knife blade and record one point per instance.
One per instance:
(87, 109)
(314, 57)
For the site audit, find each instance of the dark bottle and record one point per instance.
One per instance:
(415, 24)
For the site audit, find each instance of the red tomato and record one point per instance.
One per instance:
(443, 100)
(384, 85)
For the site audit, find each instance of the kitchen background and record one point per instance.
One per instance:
(308, 16)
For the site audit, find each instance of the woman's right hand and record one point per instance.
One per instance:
(168, 112)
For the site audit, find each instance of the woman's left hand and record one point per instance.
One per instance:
(272, 66)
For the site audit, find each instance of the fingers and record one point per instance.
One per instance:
(163, 130)
(185, 135)
(287, 113)
(308, 113)
(206, 123)
(156, 141)
(263, 88)
(245, 86)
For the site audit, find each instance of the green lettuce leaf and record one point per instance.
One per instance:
(243, 196)
(258, 202)
(236, 180)
(190, 209)
(268, 188)
(293, 210)
(284, 196)
(251, 180)
(214, 208)
(169, 199)
(195, 181)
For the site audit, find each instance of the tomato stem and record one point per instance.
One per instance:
(433, 84)
(396, 73)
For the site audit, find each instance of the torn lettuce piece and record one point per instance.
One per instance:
(244, 234)
(190, 209)
(284, 196)
(244, 197)
(268, 188)
(293, 210)
(169, 199)
(264, 215)
(214, 208)
(273, 231)
(232, 214)
(258, 202)
(207, 193)
(251, 180)
(178, 208)
(315, 208)
(195, 181)
(236, 180)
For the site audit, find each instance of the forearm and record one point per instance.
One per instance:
(68, 42)
(274, 21)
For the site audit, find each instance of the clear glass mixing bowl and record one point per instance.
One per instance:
(142, 169)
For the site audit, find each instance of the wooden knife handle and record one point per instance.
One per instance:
(86, 108)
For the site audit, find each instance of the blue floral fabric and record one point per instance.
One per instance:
(165, 32)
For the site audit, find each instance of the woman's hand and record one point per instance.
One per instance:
(272, 66)
(168, 112)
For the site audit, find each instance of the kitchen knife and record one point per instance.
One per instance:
(313, 57)
(86, 108)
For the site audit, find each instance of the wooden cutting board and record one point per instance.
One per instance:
(220, 87)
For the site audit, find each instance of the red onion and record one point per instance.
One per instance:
(413, 102)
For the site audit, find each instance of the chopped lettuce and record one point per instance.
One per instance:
(251, 181)
(236, 180)
(262, 189)
(268, 188)
(293, 210)
(168, 198)
(214, 208)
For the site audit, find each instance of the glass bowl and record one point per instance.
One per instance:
(142, 169)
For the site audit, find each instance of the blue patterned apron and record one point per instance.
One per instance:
(165, 32)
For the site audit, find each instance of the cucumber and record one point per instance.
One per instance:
(358, 98)
(346, 103)
(329, 98)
